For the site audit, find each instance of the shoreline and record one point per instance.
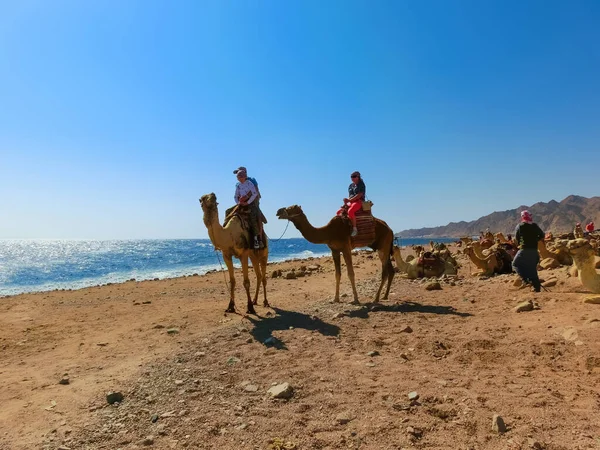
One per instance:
(198, 273)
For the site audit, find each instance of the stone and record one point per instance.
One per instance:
(551, 282)
(373, 353)
(290, 276)
(114, 397)
(592, 299)
(154, 418)
(232, 360)
(251, 388)
(498, 424)
(549, 263)
(433, 286)
(64, 380)
(535, 444)
(148, 440)
(405, 329)
(413, 396)
(570, 334)
(343, 418)
(172, 330)
(283, 390)
(524, 306)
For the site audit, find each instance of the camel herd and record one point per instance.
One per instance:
(491, 255)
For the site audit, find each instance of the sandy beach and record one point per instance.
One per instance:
(193, 377)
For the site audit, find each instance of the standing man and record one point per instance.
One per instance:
(527, 258)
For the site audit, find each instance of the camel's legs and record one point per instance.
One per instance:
(263, 269)
(259, 263)
(244, 261)
(257, 269)
(229, 264)
(338, 273)
(348, 260)
(387, 273)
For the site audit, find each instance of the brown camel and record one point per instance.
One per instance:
(560, 252)
(442, 263)
(232, 239)
(336, 235)
(488, 265)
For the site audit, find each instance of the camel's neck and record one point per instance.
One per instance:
(480, 263)
(478, 250)
(215, 230)
(310, 233)
(402, 265)
(544, 252)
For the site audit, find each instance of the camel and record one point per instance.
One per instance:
(418, 249)
(232, 240)
(498, 261)
(560, 253)
(500, 238)
(414, 269)
(479, 251)
(336, 235)
(584, 259)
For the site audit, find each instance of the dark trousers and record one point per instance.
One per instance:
(525, 264)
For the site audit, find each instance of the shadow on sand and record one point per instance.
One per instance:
(264, 326)
(405, 307)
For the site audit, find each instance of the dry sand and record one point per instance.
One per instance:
(467, 354)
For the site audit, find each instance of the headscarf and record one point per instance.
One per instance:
(526, 217)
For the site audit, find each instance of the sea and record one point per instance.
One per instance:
(45, 265)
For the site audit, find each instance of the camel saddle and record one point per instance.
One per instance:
(243, 212)
(365, 224)
(430, 260)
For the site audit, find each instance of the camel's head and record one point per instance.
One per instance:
(208, 201)
(290, 212)
(581, 249)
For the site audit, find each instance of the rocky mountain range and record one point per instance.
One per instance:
(552, 216)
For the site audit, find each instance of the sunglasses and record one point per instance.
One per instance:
(354, 176)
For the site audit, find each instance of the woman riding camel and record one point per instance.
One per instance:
(356, 194)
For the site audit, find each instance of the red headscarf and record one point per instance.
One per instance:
(526, 217)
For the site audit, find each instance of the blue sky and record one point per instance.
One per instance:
(115, 117)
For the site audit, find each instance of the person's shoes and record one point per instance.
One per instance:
(354, 232)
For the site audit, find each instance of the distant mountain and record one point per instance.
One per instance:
(552, 216)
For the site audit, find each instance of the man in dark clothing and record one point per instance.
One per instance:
(527, 236)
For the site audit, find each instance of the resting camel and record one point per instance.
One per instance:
(560, 254)
(583, 256)
(415, 270)
(232, 240)
(500, 238)
(336, 235)
(496, 262)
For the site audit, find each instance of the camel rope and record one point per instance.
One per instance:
(280, 237)
(220, 263)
